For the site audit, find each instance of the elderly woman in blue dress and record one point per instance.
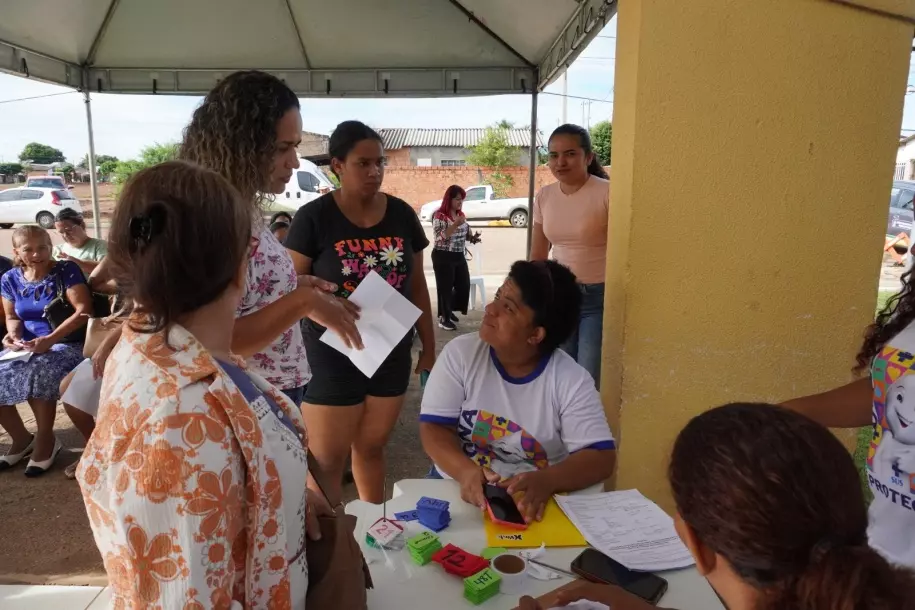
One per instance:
(26, 291)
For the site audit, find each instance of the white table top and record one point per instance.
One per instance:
(399, 583)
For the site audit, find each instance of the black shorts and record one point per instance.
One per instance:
(335, 380)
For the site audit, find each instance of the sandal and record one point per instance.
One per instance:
(70, 471)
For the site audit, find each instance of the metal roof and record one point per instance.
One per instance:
(460, 138)
(345, 48)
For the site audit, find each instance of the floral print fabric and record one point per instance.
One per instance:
(187, 485)
(271, 276)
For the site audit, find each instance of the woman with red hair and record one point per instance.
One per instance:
(452, 278)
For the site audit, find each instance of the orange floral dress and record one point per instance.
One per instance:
(194, 498)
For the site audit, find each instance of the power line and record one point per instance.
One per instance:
(36, 97)
(578, 97)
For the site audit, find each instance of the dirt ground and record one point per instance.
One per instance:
(45, 532)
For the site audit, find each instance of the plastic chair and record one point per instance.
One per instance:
(476, 280)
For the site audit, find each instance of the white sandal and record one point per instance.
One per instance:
(11, 459)
(36, 469)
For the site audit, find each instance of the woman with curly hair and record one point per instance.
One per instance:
(247, 130)
(885, 400)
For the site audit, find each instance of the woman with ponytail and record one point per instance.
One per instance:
(570, 217)
(770, 506)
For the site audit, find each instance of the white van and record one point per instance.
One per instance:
(307, 184)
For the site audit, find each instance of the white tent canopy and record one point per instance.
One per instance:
(321, 48)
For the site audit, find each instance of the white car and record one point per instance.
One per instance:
(307, 184)
(482, 203)
(28, 205)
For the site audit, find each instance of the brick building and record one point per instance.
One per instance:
(444, 147)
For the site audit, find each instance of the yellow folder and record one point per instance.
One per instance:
(554, 530)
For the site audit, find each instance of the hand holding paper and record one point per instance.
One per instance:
(386, 316)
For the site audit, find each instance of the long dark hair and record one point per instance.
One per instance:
(584, 138)
(178, 237)
(778, 496)
(898, 313)
(451, 192)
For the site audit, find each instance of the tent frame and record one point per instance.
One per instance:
(589, 17)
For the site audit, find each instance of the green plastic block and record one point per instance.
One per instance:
(492, 551)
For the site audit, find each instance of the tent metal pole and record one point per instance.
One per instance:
(93, 178)
(532, 173)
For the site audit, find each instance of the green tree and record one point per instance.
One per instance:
(41, 153)
(159, 153)
(107, 168)
(99, 160)
(505, 124)
(149, 156)
(495, 152)
(10, 169)
(65, 170)
(602, 140)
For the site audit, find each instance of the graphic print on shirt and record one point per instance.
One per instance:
(497, 443)
(891, 454)
(384, 256)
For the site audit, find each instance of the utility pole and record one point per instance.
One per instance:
(565, 93)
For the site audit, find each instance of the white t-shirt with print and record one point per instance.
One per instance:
(891, 455)
(513, 425)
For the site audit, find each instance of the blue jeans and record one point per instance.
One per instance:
(585, 343)
(295, 394)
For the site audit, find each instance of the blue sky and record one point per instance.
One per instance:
(124, 124)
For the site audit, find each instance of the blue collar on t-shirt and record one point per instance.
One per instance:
(541, 366)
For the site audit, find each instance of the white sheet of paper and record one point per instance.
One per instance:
(584, 604)
(85, 390)
(628, 527)
(385, 317)
(6, 355)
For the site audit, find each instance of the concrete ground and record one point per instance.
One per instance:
(45, 530)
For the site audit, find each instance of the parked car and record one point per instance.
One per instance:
(307, 184)
(47, 182)
(30, 205)
(900, 219)
(482, 203)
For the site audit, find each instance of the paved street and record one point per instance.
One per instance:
(501, 247)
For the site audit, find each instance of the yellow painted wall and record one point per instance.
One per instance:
(758, 138)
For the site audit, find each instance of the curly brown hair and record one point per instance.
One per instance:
(233, 132)
(778, 496)
(898, 313)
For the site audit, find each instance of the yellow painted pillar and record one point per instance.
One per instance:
(753, 153)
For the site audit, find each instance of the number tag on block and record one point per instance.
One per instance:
(483, 581)
(433, 503)
(421, 541)
(459, 562)
(384, 531)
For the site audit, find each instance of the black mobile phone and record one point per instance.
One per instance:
(595, 566)
(502, 506)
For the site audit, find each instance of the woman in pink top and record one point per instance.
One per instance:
(570, 217)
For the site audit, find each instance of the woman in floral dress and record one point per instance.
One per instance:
(195, 477)
(247, 129)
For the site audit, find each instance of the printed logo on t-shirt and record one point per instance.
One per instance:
(497, 443)
(891, 454)
(384, 256)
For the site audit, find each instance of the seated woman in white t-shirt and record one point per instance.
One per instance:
(508, 405)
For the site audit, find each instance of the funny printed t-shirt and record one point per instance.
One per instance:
(344, 254)
(891, 455)
(514, 425)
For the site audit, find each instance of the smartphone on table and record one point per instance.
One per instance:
(595, 566)
(502, 508)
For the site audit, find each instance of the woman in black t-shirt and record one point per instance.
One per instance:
(342, 237)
